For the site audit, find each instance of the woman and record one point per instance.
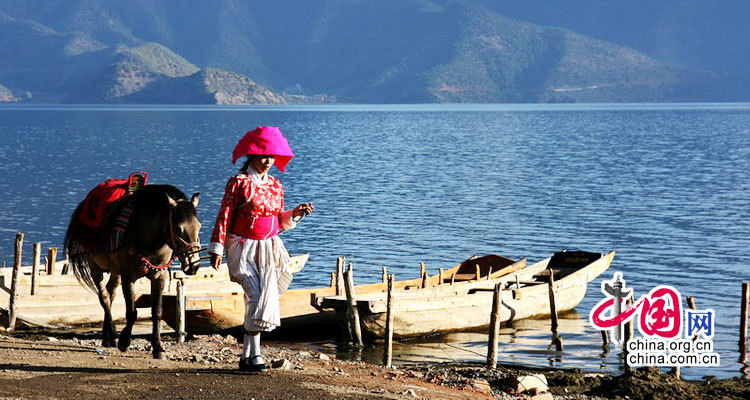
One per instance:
(250, 216)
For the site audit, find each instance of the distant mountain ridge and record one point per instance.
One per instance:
(391, 51)
(207, 86)
(502, 59)
(708, 35)
(74, 68)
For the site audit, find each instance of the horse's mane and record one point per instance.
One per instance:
(150, 209)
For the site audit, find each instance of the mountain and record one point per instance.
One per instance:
(74, 67)
(207, 86)
(41, 61)
(701, 34)
(391, 51)
(500, 59)
(129, 70)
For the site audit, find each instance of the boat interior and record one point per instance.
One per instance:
(562, 264)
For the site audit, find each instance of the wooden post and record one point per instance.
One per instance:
(388, 350)
(557, 341)
(35, 266)
(494, 328)
(489, 274)
(423, 275)
(440, 276)
(675, 371)
(478, 273)
(14, 281)
(553, 311)
(180, 311)
(453, 278)
(631, 324)
(628, 334)
(690, 302)
(351, 309)
(333, 279)
(51, 260)
(552, 305)
(340, 261)
(605, 341)
(743, 319)
(385, 274)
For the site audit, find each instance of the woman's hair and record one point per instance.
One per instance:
(246, 164)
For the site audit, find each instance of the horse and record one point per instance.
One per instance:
(163, 225)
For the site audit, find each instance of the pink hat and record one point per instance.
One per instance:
(265, 140)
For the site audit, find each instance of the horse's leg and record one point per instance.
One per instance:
(157, 287)
(130, 313)
(108, 333)
(112, 284)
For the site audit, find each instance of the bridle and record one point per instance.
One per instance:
(181, 248)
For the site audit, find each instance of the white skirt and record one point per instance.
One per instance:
(261, 267)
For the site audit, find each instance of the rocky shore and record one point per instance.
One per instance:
(38, 364)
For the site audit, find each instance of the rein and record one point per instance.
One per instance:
(156, 267)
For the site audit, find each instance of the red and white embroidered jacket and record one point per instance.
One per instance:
(250, 210)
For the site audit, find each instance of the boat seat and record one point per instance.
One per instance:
(464, 277)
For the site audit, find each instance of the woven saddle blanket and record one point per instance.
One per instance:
(104, 217)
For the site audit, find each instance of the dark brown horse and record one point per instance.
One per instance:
(163, 224)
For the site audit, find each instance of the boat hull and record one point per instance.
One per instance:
(467, 306)
(217, 302)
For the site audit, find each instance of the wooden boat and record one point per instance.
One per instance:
(220, 307)
(466, 304)
(215, 304)
(60, 300)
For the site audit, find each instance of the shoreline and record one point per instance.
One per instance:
(74, 365)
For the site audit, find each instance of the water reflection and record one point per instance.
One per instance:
(525, 343)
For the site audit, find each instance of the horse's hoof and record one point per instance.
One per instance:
(123, 345)
(108, 343)
(160, 355)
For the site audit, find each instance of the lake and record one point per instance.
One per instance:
(665, 185)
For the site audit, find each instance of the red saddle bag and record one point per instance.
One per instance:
(99, 201)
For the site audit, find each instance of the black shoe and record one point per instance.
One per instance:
(246, 365)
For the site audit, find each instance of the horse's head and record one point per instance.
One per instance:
(184, 227)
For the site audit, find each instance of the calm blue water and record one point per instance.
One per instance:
(666, 186)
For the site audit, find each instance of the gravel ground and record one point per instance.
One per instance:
(38, 364)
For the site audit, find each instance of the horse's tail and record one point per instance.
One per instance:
(81, 261)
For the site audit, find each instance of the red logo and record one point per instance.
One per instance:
(660, 313)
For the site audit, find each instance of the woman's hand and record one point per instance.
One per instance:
(303, 209)
(215, 260)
